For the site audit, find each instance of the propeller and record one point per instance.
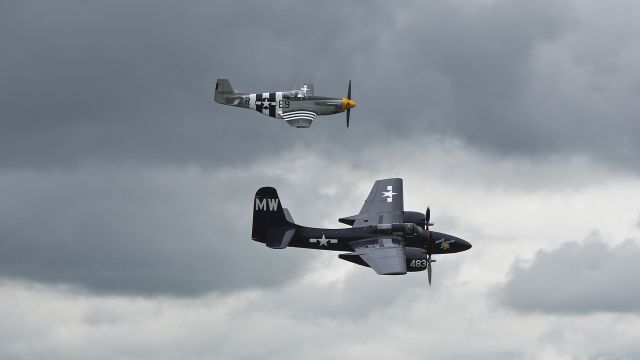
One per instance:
(349, 98)
(427, 223)
(427, 218)
(429, 261)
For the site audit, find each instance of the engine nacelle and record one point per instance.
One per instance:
(415, 217)
(397, 229)
(416, 259)
(412, 217)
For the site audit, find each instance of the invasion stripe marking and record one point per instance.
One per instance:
(300, 117)
(273, 105)
(252, 101)
(302, 112)
(265, 98)
(258, 103)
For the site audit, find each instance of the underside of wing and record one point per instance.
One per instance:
(384, 256)
(299, 118)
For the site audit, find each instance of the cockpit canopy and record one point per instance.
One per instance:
(400, 229)
(301, 91)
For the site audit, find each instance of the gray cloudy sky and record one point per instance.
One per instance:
(125, 192)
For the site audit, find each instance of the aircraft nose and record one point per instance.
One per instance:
(464, 245)
(348, 104)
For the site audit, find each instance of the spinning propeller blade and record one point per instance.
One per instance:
(427, 223)
(427, 218)
(429, 268)
(348, 108)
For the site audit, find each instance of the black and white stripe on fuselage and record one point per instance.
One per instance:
(269, 104)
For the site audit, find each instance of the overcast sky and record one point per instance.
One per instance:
(126, 192)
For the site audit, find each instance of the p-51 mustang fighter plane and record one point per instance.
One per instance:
(383, 236)
(297, 107)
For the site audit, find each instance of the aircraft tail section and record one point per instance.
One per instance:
(272, 224)
(223, 89)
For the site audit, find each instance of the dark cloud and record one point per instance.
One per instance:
(131, 82)
(121, 230)
(120, 175)
(577, 277)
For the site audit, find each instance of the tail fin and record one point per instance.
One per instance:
(272, 224)
(223, 89)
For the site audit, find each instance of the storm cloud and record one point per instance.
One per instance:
(125, 191)
(132, 82)
(169, 231)
(585, 277)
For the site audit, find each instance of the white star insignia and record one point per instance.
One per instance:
(324, 241)
(265, 103)
(389, 193)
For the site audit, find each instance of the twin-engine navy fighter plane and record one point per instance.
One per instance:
(298, 107)
(383, 236)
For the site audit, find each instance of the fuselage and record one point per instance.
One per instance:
(274, 104)
(411, 236)
(416, 243)
(369, 241)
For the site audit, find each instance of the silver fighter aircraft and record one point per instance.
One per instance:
(298, 107)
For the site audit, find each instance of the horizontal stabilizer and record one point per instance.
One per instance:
(287, 215)
(278, 238)
(349, 220)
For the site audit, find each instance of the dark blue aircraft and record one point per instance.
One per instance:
(382, 236)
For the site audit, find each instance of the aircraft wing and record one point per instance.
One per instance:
(384, 255)
(299, 118)
(384, 205)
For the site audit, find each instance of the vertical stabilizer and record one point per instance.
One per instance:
(271, 223)
(223, 89)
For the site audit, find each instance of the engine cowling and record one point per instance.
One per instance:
(416, 259)
(415, 217)
(404, 229)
